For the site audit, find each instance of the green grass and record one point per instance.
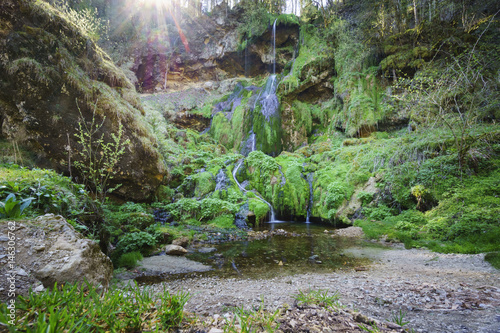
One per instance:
(493, 258)
(67, 309)
(318, 297)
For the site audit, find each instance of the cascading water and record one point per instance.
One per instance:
(309, 206)
(274, 46)
(270, 109)
(272, 217)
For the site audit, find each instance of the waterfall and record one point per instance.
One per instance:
(269, 99)
(309, 206)
(247, 62)
(253, 141)
(270, 108)
(221, 181)
(274, 46)
(273, 217)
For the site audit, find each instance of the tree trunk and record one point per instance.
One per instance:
(415, 12)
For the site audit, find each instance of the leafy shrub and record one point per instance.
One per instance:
(129, 260)
(336, 194)
(380, 212)
(135, 241)
(212, 208)
(365, 197)
(132, 207)
(224, 221)
(185, 208)
(50, 192)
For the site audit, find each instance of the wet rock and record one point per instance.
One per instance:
(175, 250)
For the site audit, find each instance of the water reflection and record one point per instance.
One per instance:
(310, 249)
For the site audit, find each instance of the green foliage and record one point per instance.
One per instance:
(318, 297)
(260, 209)
(13, 208)
(336, 194)
(223, 221)
(256, 20)
(98, 158)
(378, 213)
(256, 320)
(206, 209)
(212, 208)
(129, 260)
(87, 20)
(265, 163)
(67, 309)
(399, 318)
(50, 192)
(365, 197)
(453, 95)
(132, 207)
(135, 241)
(291, 194)
(493, 258)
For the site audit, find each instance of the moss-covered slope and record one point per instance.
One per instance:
(53, 77)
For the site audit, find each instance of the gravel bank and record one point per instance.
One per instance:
(439, 292)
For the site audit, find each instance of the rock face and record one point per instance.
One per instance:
(213, 53)
(53, 77)
(50, 250)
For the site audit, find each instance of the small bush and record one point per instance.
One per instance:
(378, 213)
(129, 260)
(136, 241)
(365, 197)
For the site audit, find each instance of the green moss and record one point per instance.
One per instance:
(260, 209)
(165, 193)
(223, 221)
(292, 197)
(268, 132)
(204, 183)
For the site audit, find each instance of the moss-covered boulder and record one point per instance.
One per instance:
(53, 78)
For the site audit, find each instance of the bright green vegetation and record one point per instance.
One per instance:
(252, 320)
(130, 259)
(47, 191)
(318, 297)
(494, 259)
(68, 309)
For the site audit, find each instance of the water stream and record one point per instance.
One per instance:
(271, 210)
(274, 46)
(310, 177)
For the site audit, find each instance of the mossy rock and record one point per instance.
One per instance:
(140, 220)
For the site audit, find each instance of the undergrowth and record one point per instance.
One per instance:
(68, 309)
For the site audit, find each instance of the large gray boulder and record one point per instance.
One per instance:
(51, 251)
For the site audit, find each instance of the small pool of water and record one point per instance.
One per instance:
(312, 251)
